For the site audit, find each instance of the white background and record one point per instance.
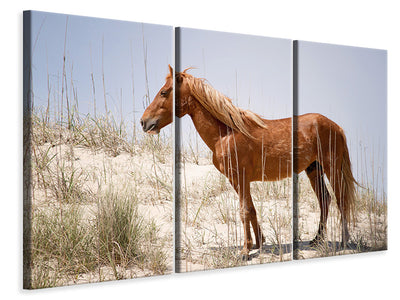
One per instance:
(372, 24)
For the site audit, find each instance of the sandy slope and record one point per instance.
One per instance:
(140, 175)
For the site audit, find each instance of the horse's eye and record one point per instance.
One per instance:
(164, 93)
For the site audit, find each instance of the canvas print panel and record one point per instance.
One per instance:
(340, 142)
(233, 163)
(98, 190)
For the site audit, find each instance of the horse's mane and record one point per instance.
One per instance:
(221, 107)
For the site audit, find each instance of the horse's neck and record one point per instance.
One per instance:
(209, 128)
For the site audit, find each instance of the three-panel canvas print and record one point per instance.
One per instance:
(151, 150)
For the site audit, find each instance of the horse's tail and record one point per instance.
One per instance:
(348, 189)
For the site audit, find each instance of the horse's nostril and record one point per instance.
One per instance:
(141, 123)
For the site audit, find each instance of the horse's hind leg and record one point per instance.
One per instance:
(340, 194)
(334, 175)
(316, 176)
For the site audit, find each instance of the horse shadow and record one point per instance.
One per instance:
(265, 249)
(326, 246)
(329, 246)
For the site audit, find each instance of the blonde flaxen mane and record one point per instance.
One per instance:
(221, 107)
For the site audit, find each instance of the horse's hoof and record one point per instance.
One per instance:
(344, 244)
(259, 243)
(317, 241)
(244, 255)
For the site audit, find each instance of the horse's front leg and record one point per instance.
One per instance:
(248, 215)
(240, 188)
(260, 239)
(247, 210)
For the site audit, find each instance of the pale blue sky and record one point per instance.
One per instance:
(254, 71)
(123, 51)
(349, 86)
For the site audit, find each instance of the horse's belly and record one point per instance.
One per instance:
(274, 171)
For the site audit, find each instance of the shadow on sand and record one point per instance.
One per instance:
(329, 248)
(266, 249)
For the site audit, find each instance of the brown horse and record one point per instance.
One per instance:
(248, 148)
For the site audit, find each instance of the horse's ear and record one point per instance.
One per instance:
(171, 71)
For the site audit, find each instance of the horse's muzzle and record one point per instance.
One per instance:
(149, 125)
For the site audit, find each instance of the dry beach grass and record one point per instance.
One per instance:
(101, 204)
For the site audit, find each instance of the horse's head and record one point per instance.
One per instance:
(159, 113)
